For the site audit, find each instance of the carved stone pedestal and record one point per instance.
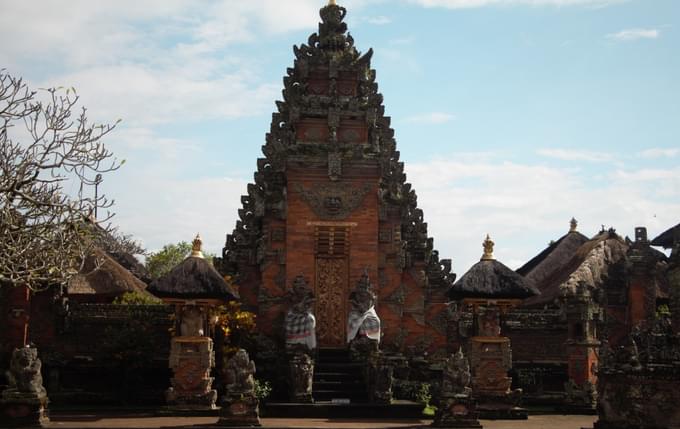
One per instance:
(23, 410)
(381, 379)
(491, 358)
(301, 375)
(24, 403)
(191, 359)
(239, 411)
(457, 411)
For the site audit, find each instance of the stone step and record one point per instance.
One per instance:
(327, 409)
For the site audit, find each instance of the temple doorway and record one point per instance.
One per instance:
(332, 284)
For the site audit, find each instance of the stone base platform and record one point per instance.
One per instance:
(512, 413)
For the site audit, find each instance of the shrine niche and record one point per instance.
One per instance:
(194, 288)
(329, 199)
(490, 289)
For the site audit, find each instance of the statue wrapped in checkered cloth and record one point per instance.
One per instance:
(300, 322)
(363, 321)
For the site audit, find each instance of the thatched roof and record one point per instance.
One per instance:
(668, 238)
(604, 250)
(193, 278)
(130, 263)
(492, 279)
(549, 269)
(102, 275)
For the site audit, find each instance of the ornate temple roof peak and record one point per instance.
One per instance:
(573, 224)
(488, 249)
(332, 3)
(196, 247)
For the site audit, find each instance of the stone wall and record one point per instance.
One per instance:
(109, 354)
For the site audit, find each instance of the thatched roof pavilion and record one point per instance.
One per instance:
(104, 277)
(193, 279)
(490, 279)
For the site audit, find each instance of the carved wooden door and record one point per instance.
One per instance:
(332, 279)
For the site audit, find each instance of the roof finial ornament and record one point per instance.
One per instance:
(573, 224)
(196, 247)
(332, 3)
(488, 249)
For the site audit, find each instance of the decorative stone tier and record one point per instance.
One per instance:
(191, 359)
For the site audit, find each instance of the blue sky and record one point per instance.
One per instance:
(512, 116)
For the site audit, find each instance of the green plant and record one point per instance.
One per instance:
(423, 396)
(262, 389)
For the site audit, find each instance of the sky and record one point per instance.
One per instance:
(511, 116)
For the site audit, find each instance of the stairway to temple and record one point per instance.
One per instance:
(339, 391)
(337, 379)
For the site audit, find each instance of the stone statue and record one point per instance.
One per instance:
(24, 372)
(301, 367)
(240, 407)
(192, 321)
(300, 322)
(24, 402)
(456, 376)
(240, 374)
(457, 407)
(363, 320)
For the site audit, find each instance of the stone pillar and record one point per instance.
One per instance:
(24, 402)
(582, 314)
(642, 285)
(191, 359)
(457, 407)
(19, 311)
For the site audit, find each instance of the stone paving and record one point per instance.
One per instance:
(64, 421)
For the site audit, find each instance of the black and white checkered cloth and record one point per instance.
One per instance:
(367, 324)
(300, 329)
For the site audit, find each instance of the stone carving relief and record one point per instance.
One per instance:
(333, 200)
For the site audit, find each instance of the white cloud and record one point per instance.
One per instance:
(465, 4)
(635, 34)
(141, 95)
(576, 155)
(524, 206)
(432, 118)
(660, 153)
(378, 20)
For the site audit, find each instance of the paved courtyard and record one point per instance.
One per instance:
(66, 421)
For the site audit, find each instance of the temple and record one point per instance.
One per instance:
(330, 202)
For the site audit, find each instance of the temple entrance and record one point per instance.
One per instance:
(332, 285)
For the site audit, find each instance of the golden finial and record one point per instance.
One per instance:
(488, 249)
(332, 3)
(573, 223)
(196, 247)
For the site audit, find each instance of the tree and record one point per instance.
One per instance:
(47, 146)
(168, 257)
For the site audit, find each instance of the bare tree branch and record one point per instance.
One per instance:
(47, 142)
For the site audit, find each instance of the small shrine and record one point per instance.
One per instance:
(490, 289)
(195, 288)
